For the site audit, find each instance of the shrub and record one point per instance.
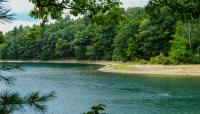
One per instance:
(160, 59)
(194, 59)
(139, 61)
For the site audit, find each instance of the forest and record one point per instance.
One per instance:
(162, 32)
(139, 36)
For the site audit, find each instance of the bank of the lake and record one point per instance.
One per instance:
(129, 68)
(156, 70)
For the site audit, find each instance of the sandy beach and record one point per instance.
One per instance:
(170, 70)
(128, 68)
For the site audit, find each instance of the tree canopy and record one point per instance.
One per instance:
(137, 37)
(164, 32)
(185, 9)
(94, 9)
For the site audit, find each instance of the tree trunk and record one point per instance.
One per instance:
(189, 36)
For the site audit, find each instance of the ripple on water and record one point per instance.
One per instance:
(79, 87)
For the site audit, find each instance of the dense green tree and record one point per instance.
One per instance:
(184, 9)
(102, 45)
(154, 38)
(137, 36)
(80, 45)
(2, 38)
(137, 43)
(137, 13)
(126, 32)
(180, 51)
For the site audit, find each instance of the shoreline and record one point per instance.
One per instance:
(157, 70)
(128, 68)
(58, 61)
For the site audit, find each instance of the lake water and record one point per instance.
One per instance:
(79, 86)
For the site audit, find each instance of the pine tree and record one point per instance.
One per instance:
(13, 101)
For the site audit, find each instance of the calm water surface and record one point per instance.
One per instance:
(80, 86)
